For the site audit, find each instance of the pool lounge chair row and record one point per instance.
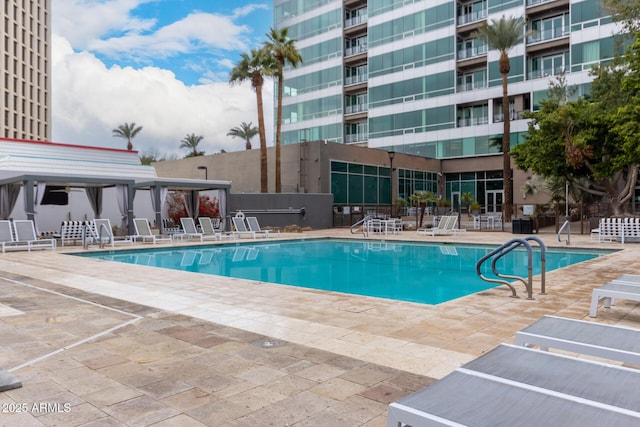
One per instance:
(249, 226)
(516, 385)
(21, 235)
(626, 287)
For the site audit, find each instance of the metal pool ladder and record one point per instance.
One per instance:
(361, 222)
(504, 249)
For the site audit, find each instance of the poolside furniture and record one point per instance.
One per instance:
(448, 224)
(169, 227)
(240, 227)
(25, 231)
(73, 231)
(517, 386)
(609, 292)
(617, 229)
(211, 228)
(144, 233)
(189, 229)
(580, 336)
(7, 239)
(254, 225)
(628, 279)
(104, 233)
(444, 220)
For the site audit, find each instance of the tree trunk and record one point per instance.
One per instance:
(279, 128)
(264, 183)
(507, 208)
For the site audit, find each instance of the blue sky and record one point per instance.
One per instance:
(163, 64)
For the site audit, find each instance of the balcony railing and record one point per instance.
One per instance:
(356, 108)
(472, 52)
(472, 17)
(356, 20)
(513, 115)
(550, 34)
(356, 137)
(354, 50)
(465, 87)
(535, 2)
(538, 74)
(358, 78)
(473, 121)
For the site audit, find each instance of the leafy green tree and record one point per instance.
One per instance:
(127, 131)
(502, 35)
(283, 50)
(596, 135)
(191, 142)
(467, 198)
(421, 199)
(254, 68)
(246, 131)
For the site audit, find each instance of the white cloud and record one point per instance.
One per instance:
(89, 100)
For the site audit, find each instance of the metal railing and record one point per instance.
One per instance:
(566, 224)
(504, 249)
(362, 223)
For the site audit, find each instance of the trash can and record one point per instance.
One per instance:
(516, 226)
(526, 226)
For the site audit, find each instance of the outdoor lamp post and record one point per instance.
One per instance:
(206, 172)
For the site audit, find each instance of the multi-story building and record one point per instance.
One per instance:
(410, 76)
(25, 70)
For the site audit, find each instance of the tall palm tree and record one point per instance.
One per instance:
(127, 131)
(502, 35)
(254, 68)
(191, 142)
(245, 131)
(283, 50)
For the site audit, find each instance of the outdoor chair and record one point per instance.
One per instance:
(209, 230)
(104, 233)
(240, 227)
(254, 226)
(189, 229)
(144, 233)
(7, 239)
(25, 232)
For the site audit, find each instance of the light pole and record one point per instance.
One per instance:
(206, 172)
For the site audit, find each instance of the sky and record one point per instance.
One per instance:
(163, 64)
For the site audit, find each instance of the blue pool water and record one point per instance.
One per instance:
(419, 272)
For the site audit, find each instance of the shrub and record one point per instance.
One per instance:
(176, 208)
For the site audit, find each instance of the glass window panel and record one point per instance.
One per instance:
(339, 188)
(370, 190)
(355, 189)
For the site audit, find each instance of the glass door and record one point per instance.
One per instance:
(494, 200)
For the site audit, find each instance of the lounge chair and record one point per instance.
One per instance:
(254, 226)
(579, 336)
(189, 229)
(25, 232)
(611, 291)
(627, 279)
(104, 233)
(444, 220)
(240, 227)
(71, 232)
(143, 232)
(209, 229)
(517, 386)
(7, 240)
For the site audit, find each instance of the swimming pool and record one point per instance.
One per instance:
(426, 273)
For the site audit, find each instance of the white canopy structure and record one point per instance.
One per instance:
(37, 167)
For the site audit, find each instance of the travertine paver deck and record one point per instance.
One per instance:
(100, 343)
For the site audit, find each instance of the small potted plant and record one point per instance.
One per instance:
(475, 208)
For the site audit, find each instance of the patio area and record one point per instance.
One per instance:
(100, 343)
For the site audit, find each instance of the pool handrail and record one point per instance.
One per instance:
(361, 222)
(505, 248)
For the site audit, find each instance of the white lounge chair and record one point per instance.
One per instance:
(7, 239)
(441, 224)
(104, 233)
(579, 336)
(144, 233)
(240, 227)
(209, 229)
(609, 292)
(517, 386)
(25, 231)
(189, 229)
(254, 226)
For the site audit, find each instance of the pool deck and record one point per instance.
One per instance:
(98, 343)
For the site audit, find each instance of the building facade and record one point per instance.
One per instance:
(25, 70)
(409, 76)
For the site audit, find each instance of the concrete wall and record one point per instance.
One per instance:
(281, 210)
